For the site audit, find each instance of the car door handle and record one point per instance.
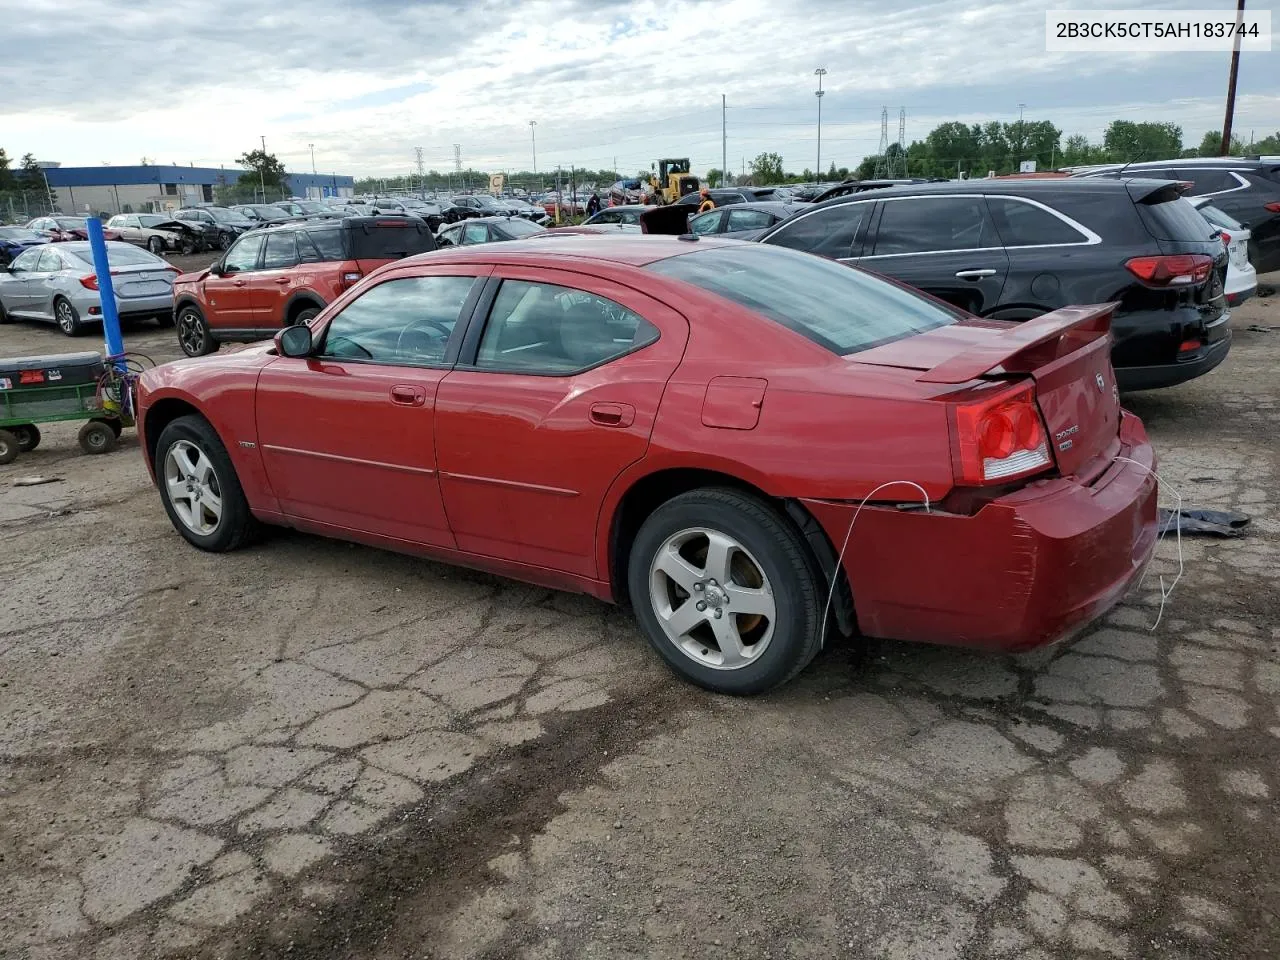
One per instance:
(408, 396)
(239, 283)
(975, 274)
(282, 280)
(613, 414)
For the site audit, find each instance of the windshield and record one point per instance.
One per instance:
(309, 206)
(835, 306)
(151, 221)
(226, 215)
(18, 233)
(271, 212)
(71, 223)
(522, 228)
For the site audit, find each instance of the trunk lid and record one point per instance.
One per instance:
(1067, 353)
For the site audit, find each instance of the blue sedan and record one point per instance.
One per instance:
(13, 240)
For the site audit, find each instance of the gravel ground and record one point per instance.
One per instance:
(311, 749)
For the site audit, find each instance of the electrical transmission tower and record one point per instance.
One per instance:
(899, 167)
(882, 155)
(457, 162)
(422, 171)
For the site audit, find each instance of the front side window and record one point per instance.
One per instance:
(750, 220)
(50, 262)
(929, 224)
(708, 222)
(837, 307)
(404, 322)
(828, 233)
(544, 328)
(1022, 224)
(244, 255)
(475, 233)
(281, 251)
(26, 260)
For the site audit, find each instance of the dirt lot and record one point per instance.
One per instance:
(315, 750)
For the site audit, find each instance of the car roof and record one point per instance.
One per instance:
(1243, 162)
(768, 206)
(995, 186)
(631, 249)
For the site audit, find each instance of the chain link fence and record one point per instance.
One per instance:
(19, 206)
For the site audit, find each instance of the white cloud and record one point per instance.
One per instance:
(184, 81)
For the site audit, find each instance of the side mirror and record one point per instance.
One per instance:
(216, 269)
(444, 242)
(294, 341)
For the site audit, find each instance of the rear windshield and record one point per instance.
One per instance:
(390, 239)
(18, 233)
(119, 254)
(835, 306)
(522, 228)
(1175, 220)
(1219, 218)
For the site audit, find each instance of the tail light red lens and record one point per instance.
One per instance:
(1000, 438)
(90, 282)
(1226, 238)
(1177, 270)
(1272, 207)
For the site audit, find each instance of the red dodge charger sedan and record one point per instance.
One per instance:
(750, 445)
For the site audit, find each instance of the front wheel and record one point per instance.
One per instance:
(96, 436)
(28, 435)
(199, 487)
(224, 241)
(193, 333)
(155, 245)
(726, 591)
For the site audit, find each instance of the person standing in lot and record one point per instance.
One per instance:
(707, 203)
(593, 205)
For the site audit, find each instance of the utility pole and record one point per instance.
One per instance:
(820, 73)
(724, 141)
(533, 139)
(312, 147)
(262, 177)
(1231, 84)
(457, 161)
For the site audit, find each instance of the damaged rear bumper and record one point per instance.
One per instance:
(1026, 570)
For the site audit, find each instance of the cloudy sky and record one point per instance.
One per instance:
(189, 81)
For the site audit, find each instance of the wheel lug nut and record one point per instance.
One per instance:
(698, 587)
(712, 582)
(718, 613)
(701, 605)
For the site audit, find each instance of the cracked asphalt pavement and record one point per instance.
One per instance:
(314, 750)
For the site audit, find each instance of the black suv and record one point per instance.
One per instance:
(723, 196)
(1014, 249)
(228, 223)
(1247, 190)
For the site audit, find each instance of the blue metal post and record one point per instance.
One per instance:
(107, 294)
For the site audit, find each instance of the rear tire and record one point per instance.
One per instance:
(4, 317)
(305, 315)
(194, 336)
(67, 317)
(9, 447)
(96, 437)
(28, 435)
(764, 565)
(189, 448)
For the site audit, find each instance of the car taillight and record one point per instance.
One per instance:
(1272, 207)
(1177, 270)
(1226, 238)
(1000, 438)
(90, 282)
(349, 280)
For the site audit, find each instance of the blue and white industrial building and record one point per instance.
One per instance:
(157, 188)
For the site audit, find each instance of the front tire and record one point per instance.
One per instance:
(155, 245)
(194, 336)
(67, 317)
(28, 435)
(96, 437)
(199, 487)
(727, 591)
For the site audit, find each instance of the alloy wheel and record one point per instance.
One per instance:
(712, 598)
(193, 488)
(191, 333)
(65, 316)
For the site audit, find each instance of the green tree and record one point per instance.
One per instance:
(7, 181)
(1267, 146)
(867, 168)
(767, 168)
(1211, 145)
(715, 176)
(266, 171)
(30, 177)
(1127, 141)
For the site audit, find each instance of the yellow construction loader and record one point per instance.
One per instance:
(673, 180)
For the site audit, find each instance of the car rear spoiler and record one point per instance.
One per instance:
(1029, 345)
(1150, 192)
(671, 220)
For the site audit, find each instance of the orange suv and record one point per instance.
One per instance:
(284, 275)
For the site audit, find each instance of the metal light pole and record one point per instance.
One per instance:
(533, 139)
(312, 147)
(262, 177)
(819, 73)
(1225, 149)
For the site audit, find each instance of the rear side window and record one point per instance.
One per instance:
(281, 251)
(543, 328)
(1209, 181)
(1175, 220)
(1218, 218)
(837, 307)
(828, 233)
(390, 239)
(328, 243)
(933, 224)
(749, 220)
(1022, 224)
